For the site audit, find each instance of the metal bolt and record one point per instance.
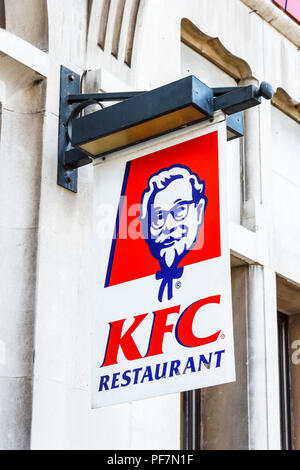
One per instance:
(68, 179)
(71, 77)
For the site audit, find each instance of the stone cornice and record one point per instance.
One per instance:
(277, 18)
(286, 104)
(212, 49)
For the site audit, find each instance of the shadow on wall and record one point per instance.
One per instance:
(2, 14)
(27, 19)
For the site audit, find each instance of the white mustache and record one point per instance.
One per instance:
(176, 235)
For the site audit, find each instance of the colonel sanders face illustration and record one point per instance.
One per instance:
(172, 211)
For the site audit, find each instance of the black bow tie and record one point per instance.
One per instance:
(167, 276)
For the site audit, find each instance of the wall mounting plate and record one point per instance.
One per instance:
(69, 84)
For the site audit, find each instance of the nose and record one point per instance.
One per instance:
(169, 226)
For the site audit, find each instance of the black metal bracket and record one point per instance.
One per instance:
(231, 100)
(66, 174)
(72, 102)
(237, 99)
(102, 96)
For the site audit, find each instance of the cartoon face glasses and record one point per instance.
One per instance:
(179, 212)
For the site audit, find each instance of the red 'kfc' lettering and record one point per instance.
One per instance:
(126, 342)
(159, 329)
(183, 332)
(184, 327)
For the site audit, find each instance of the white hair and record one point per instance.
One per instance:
(163, 178)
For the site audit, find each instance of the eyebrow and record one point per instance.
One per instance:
(174, 204)
(184, 201)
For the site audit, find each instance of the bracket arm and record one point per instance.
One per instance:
(80, 98)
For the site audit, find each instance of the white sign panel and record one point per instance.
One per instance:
(162, 319)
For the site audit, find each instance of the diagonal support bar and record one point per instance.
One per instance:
(80, 98)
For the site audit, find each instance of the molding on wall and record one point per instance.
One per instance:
(213, 50)
(111, 28)
(286, 104)
(24, 52)
(276, 18)
(28, 19)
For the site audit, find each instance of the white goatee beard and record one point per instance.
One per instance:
(169, 254)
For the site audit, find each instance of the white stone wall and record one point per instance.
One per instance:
(46, 231)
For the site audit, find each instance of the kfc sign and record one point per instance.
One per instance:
(162, 295)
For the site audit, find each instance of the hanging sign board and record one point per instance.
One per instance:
(162, 319)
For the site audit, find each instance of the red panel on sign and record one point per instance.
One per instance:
(293, 8)
(281, 3)
(130, 257)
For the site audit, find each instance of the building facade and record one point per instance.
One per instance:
(46, 231)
